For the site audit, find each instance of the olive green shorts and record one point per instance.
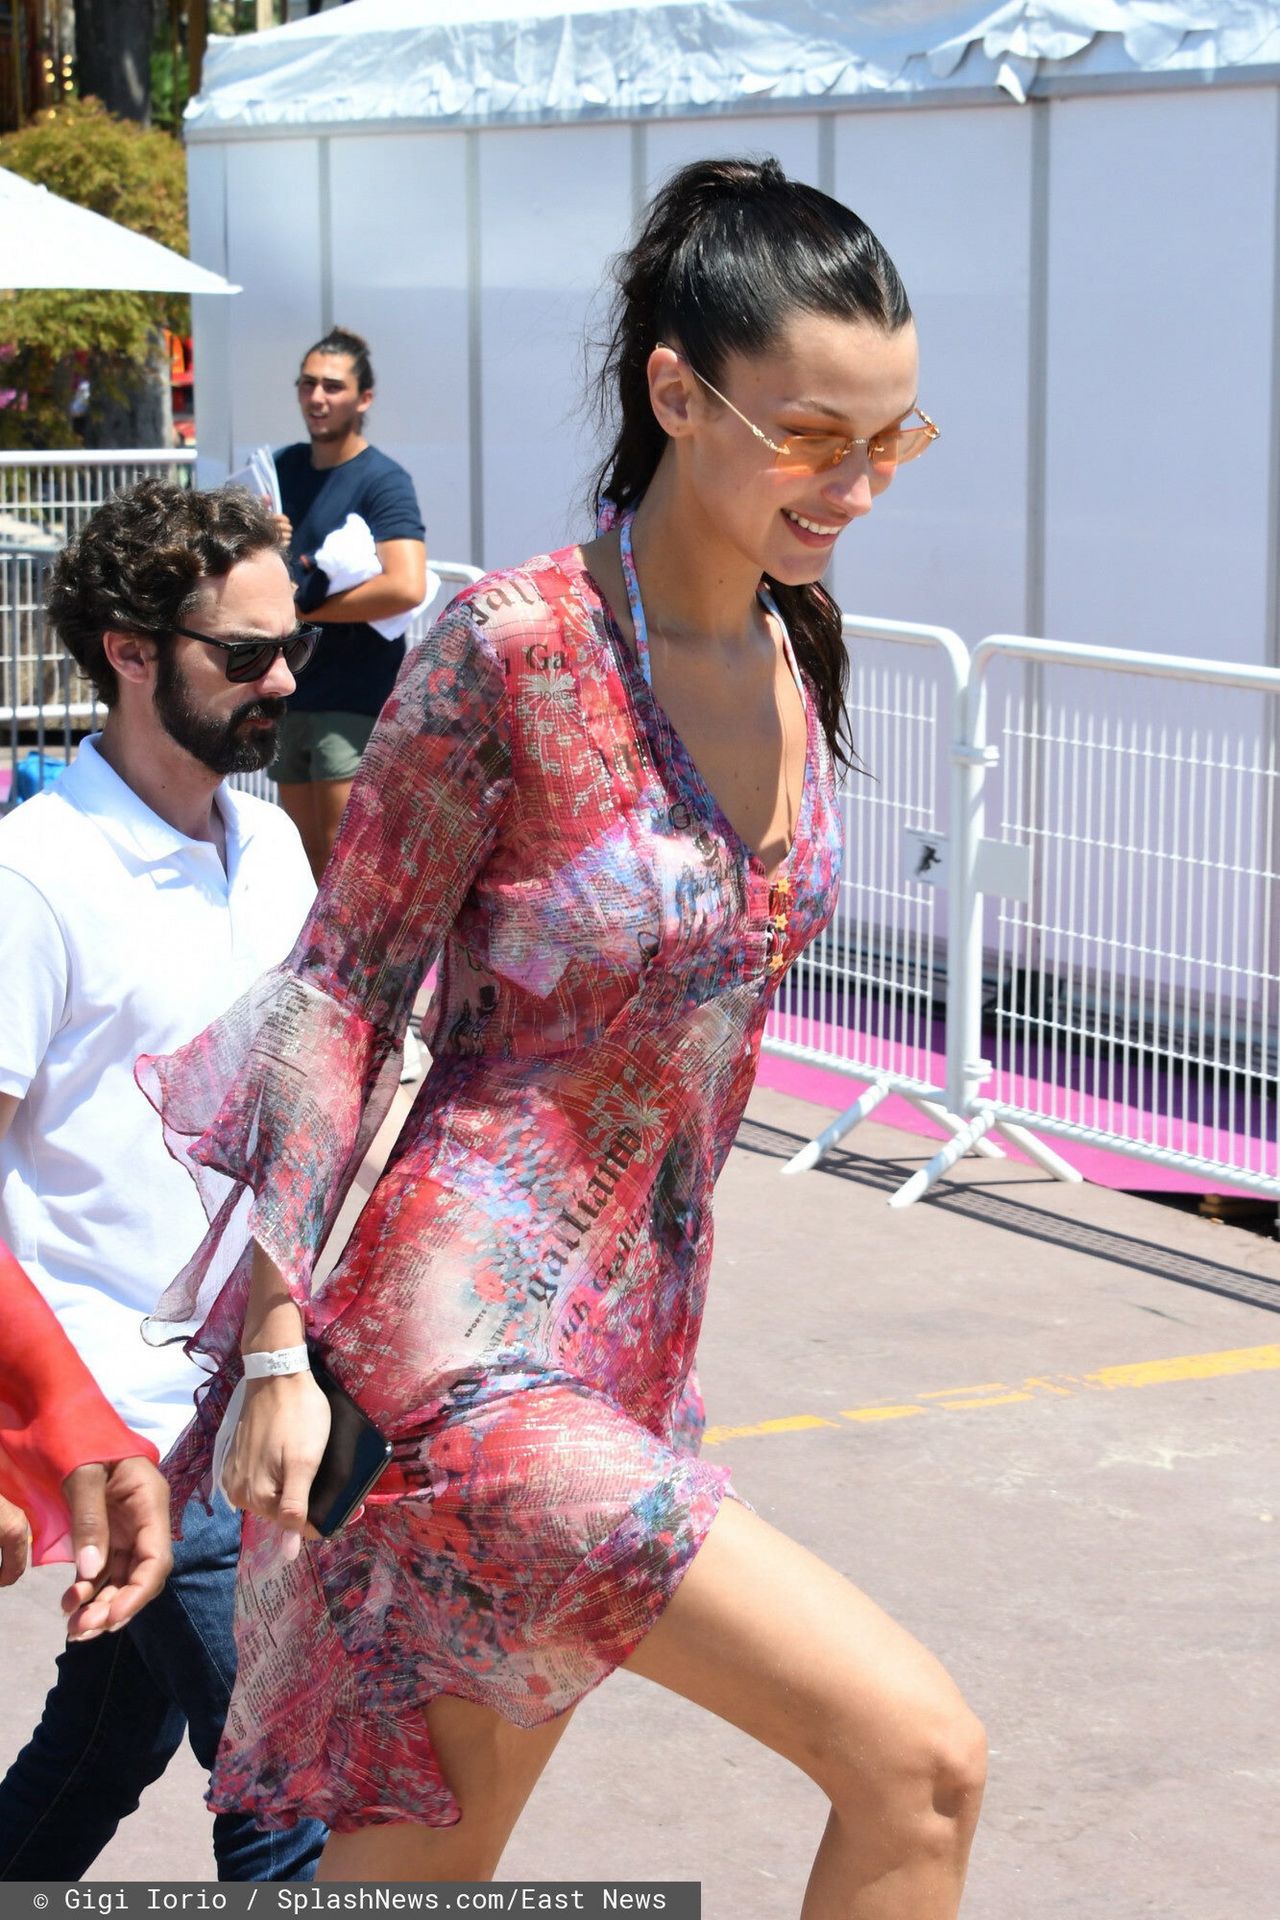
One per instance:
(320, 746)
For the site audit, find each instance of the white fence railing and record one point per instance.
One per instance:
(1131, 987)
(1137, 878)
(44, 500)
(864, 1000)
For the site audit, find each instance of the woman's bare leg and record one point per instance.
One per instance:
(771, 1639)
(492, 1767)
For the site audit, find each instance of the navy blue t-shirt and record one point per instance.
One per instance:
(353, 668)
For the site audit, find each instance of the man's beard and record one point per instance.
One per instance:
(223, 745)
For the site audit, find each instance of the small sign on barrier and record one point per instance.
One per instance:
(927, 856)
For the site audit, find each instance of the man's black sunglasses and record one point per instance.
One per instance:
(250, 659)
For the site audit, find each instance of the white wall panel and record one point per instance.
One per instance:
(792, 139)
(1162, 237)
(555, 204)
(948, 194)
(1161, 251)
(398, 257)
(211, 314)
(274, 252)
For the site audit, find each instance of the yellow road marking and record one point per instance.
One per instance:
(992, 1400)
(792, 1423)
(1143, 1373)
(1191, 1366)
(880, 1413)
(945, 1393)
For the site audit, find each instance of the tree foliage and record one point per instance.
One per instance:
(133, 175)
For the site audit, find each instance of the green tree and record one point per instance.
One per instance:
(133, 175)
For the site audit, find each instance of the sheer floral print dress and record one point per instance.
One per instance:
(519, 1305)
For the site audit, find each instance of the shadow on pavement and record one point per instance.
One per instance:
(1015, 1216)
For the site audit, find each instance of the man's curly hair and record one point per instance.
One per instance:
(138, 562)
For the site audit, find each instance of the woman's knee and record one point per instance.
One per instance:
(917, 1760)
(960, 1765)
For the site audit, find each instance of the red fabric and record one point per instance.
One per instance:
(53, 1416)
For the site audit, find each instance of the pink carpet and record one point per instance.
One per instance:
(827, 1088)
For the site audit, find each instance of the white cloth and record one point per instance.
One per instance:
(119, 936)
(349, 557)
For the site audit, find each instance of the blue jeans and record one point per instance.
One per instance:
(115, 1718)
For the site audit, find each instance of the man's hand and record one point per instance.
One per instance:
(14, 1535)
(282, 524)
(120, 1537)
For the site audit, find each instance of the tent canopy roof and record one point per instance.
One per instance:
(388, 62)
(52, 242)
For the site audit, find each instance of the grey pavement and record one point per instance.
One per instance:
(1005, 1415)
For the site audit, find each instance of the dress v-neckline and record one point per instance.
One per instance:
(637, 679)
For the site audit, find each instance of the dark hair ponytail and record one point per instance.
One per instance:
(340, 340)
(728, 251)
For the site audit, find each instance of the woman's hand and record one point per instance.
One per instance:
(278, 1445)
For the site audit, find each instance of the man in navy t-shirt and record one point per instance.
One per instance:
(322, 480)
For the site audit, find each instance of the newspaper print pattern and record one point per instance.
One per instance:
(519, 1305)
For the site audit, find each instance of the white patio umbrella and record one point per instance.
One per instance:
(46, 241)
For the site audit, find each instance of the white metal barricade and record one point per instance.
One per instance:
(1137, 874)
(1121, 925)
(45, 498)
(59, 490)
(862, 998)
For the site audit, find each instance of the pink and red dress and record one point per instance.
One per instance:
(519, 1304)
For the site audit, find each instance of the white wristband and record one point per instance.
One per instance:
(264, 1366)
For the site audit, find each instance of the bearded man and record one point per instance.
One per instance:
(139, 896)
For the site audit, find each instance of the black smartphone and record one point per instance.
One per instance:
(354, 1456)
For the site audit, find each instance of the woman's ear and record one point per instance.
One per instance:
(671, 390)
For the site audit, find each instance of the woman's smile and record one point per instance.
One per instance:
(813, 533)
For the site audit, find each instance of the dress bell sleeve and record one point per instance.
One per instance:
(273, 1107)
(53, 1417)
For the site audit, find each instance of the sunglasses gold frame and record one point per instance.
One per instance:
(917, 440)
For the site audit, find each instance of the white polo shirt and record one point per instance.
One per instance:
(119, 936)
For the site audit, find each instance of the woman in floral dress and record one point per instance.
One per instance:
(606, 783)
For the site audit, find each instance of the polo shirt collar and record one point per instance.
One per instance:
(95, 789)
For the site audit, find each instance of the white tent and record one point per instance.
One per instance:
(1081, 197)
(46, 241)
(505, 61)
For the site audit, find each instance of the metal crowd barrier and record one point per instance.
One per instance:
(45, 499)
(1133, 878)
(865, 998)
(58, 491)
(1137, 874)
